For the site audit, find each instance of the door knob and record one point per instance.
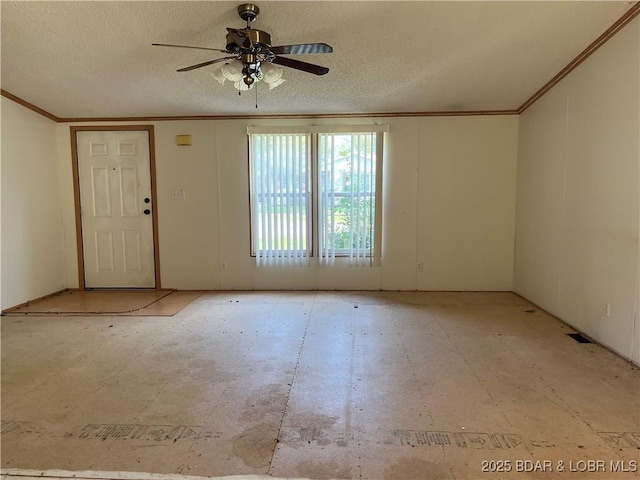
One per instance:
(147, 200)
(147, 211)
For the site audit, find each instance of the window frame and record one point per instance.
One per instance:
(313, 228)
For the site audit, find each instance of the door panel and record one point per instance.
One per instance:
(117, 225)
(101, 193)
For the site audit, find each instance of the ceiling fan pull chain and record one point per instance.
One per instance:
(256, 95)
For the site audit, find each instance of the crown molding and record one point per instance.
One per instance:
(582, 56)
(28, 105)
(292, 116)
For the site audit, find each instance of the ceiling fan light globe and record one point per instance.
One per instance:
(273, 85)
(241, 86)
(232, 71)
(271, 73)
(219, 75)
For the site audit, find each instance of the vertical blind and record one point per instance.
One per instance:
(347, 197)
(280, 198)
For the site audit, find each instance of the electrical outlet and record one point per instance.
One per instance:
(225, 267)
(420, 267)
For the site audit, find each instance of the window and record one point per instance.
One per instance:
(281, 198)
(316, 192)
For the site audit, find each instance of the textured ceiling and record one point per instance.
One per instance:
(95, 59)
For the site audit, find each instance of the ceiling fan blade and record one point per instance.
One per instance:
(204, 64)
(301, 49)
(186, 46)
(298, 65)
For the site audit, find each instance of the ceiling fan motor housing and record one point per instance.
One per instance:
(247, 39)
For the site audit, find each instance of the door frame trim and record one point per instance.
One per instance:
(76, 192)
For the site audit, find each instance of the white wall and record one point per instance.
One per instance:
(462, 230)
(466, 210)
(577, 246)
(33, 263)
(188, 229)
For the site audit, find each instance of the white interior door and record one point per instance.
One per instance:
(115, 203)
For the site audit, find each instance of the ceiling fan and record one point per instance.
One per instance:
(251, 50)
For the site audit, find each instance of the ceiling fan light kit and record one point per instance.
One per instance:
(253, 59)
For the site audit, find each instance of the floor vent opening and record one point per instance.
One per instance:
(579, 338)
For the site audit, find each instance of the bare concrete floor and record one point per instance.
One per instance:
(320, 385)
